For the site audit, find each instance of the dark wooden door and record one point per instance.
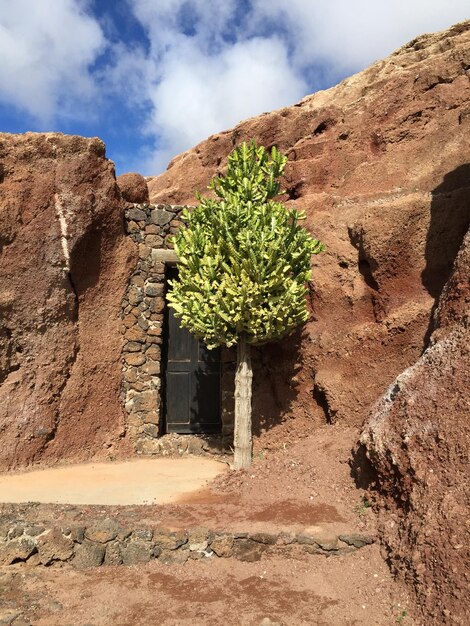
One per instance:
(192, 380)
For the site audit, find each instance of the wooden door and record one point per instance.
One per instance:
(192, 380)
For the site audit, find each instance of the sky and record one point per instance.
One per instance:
(153, 78)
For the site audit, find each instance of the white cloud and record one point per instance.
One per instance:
(347, 35)
(46, 48)
(198, 95)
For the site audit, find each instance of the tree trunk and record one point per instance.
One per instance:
(242, 440)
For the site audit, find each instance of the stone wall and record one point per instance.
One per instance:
(151, 227)
(107, 542)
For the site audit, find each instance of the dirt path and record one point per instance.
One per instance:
(141, 481)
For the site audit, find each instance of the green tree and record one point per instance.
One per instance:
(244, 261)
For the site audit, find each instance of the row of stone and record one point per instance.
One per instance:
(109, 543)
(153, 225)
(151, 228)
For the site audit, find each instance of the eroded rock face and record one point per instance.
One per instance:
(64, 267)
(380, 165)
(418, 439)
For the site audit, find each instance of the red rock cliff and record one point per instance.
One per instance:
(64, 268)
(418, 439)
(381, 165)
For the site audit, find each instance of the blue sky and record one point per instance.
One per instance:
(154, 77)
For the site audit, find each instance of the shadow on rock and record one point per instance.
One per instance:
(275, 366)
(450, 220)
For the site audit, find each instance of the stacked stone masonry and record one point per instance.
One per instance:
(107, 542)
(152, 227)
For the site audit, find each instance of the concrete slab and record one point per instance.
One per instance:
(140, 481)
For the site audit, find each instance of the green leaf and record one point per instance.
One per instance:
(244, 258)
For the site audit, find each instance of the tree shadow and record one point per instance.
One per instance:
(450, 220)
(275, 366)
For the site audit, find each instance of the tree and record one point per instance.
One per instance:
(244, 261)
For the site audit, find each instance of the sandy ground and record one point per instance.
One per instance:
(141, 481)
(311, 590)
(306, 483)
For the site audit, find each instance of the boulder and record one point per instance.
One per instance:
(247, 550)
(16, 550)
(222, 545)
(53, 546)
(106, 530)
(89, 554)
(133, 188)
(137, 551)
(65, 263)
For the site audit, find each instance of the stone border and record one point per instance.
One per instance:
(151, 227)
(108, 543)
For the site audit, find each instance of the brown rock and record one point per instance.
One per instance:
(145, 401)
(77, 534)
(157, 305)
(60, 370)
(151, 367)
(266, 538)
(323, 538)
(53, 546)
(133, 188)
(174, 556)
(247, 550)
(16, 550)
(104, 531)
(88, 554)
(153, 352)
(379, 163)
(356, 540)
(113, 554)
(168, 540)
(198, 538)
(417, 439)
(134, 358)
(222, 545)
(136, 552)
(135, 334)
(151, 417)
(132, 346)
(155, 241)
(129, 320)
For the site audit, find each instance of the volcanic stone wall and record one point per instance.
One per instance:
(107, 542)
(151, 227)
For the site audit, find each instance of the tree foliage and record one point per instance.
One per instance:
(244, 258)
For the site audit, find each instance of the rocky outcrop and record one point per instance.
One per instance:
(133, 188)
(418, 439)
(380, 165)
(64, 269)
